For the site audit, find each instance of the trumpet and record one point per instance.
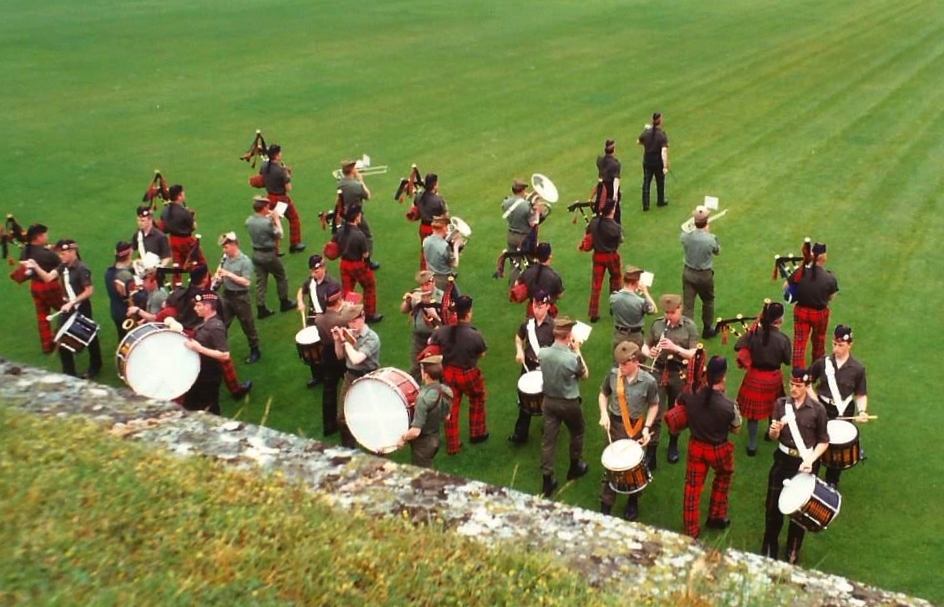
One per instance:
(689, 225)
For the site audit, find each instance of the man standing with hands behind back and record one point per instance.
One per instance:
(655, 160)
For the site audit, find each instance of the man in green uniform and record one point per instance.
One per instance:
(432, 406)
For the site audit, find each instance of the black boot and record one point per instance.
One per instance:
(549, 485)
(673, 455)
(606, 509)
(577, 469)
(287, 305)
(264, 312)
(254, 355)
(632, 507)
(770, 549)
(651, 459)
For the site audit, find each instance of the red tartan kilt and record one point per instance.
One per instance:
(50, 293)
(604, 259)
(274, 198)
(758, 391)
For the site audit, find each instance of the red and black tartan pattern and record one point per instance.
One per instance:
(702, 456)
(807, 321)
(47, 298)
(601, 263)
(467, 382)
(359, 273)
(425, 231)
(180, 248)
(294, 221)
(230, 378)
(759, 390)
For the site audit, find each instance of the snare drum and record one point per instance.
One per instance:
(531, 393)
(379, 408)
(77, 332)
(153, 360)
(843, 451)
(308, 344)
(809, 502)
(625, 466)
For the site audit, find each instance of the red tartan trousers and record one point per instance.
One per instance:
(601, 263)
(230, 378)
(425, 231)
(806, 321)
(47, 298)
(702, 456)
(291, 213)
(471, 383)
(359, 273)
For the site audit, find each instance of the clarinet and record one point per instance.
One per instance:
(217, 282)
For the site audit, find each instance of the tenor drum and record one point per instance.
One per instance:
(308, 344)
(153, 360)
(77, 332)
(531, 393)
(809, 502)
(625, 466)
(843, 451)
(379, 408)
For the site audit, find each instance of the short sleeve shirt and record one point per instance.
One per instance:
(544, 333)
(368, 342)
(811, 422)
(432, 404)
(641, 393)
(684, 334)
(561, 370)
(262, 232)
(462, 345)
(629, 309)
(241, 266)
(352, 192)
(700, 248)
(710, 421)
(276, 178)
(155, 242)
(519, 220)
(438, 255)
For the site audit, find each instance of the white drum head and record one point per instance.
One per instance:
(160, 366)
(622, 455)
(531, 382)
(307, 336)
(376, 414)
(841, 432)
(796, 492)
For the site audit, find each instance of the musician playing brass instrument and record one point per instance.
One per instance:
(423, 304)
(354, 192)
(429, 204)
(442, 257)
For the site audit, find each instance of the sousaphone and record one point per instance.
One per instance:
(544, 195)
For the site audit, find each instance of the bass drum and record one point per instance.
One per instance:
(153, 360)
(378, 408)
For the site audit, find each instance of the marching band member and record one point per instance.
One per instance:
(608, 171)
(332, 366)
(210, 342)
(178, 221)
(839, 379)
(629, 307)
(535, 333)
(424, 305)
(265, 229)
(355, 261)
(711, 416)
(763, 383)
(118, 281)
(815, 286)
(811, 424)
(47, 295)
(433, 404)
(235, 276)
(148, 239)
(156, 295)
(359, 347)
(698, 276)
(430, 205)
(278, 183)
(316, 289)
(607, 235)
(462, 346)
(519, 214)
(77, 289)
(442, 257)
(655, 160)
(671, 342)
(354, 192)
(541, 276)
(629, 406)
(562, 368)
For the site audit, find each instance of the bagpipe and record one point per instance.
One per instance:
(448, 310)
(333, 217)
(257, 150)
(410, 186)
(11, 233)
(736, 326)
(696, 378)
(581, 206)
(156, 189)
(521, 259)
(791, 269)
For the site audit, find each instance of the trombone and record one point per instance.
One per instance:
(363, 167)
(689, 225)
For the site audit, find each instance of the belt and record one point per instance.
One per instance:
(788, 450)
(629, 329)
(235, 292)
(818, 309)
(356, 374)
(264, 249)
(697, 270)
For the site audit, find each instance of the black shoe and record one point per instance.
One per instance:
(664, 203)
(314, 382)
(329, 430)
(91, 374)
(577, 469)
(549, 486)
(254, 356)
(631, 512)
(243, 390)
(673, 455)
(374, 265)
(288, 305)
(518, 440)
(297, 248)
(708, 333)
(606, 509)
(645, 207)
(264, 313)
(374, 318)
(718, 523)
(594, 319)
(475, 440)
(770, 550)
(651, 459)
(751, 452)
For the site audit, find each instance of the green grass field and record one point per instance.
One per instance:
(805, 119)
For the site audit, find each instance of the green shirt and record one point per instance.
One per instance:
(641, 393)
(629, 309)
(432, 405)
(240, 266)
(700, 247)
(367, 343)
(519, 220)
(561, 370)
(684, 334)
(262, 232)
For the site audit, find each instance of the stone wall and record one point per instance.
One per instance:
(624, 556)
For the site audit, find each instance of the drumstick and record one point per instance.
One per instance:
(304, 318)
(53, 315)
(855, 417)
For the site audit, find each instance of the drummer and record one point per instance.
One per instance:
(433, 405)
(332, 366)
(210, 342)
(315, 288)
(424, 305)
(629, 405)
(811, 423)
(533, 334)
(849, 384)
(359, 347)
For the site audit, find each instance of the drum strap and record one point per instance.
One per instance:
(790, 417)
(313, 291)
(512, 208)
(141, 251)
(70, 292)
(841, 404)
(533, 337)
(631, 429)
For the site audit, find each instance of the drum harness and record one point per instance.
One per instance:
(840, 404)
